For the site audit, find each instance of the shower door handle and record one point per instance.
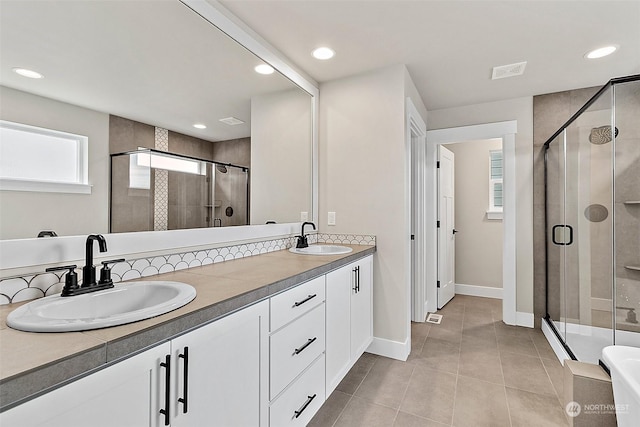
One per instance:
(563, 243)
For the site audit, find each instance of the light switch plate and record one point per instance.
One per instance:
(331, 218)
(304, 216)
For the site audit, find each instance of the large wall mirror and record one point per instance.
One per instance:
(133, 75)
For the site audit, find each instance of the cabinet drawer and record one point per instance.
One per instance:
(297, 405)
(294, 347)
(295, 302)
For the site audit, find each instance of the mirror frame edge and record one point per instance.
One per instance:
(219, 16)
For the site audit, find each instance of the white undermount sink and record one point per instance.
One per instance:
(322, 250)
(124, 303)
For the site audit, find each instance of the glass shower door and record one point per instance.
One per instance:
(588, 252)
(555, 226)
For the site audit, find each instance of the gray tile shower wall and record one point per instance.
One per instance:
(40, 284)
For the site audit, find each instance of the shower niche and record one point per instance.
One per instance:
(154, 190)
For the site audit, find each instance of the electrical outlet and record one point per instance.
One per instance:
(304, 216)
(331, 218)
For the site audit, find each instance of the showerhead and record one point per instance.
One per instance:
(221, 168)
(601, 135)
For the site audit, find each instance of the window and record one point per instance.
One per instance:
(495, 185)
(38, 159)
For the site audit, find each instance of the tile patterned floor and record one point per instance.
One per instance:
(471, 370)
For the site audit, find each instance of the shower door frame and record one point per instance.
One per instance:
(547, 319)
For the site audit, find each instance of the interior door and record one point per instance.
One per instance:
(446, 231)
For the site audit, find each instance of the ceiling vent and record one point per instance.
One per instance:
(231, 121)
(510, 70)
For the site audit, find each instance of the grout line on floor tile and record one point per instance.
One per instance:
(404, 394)
(365, 375)
(504, 387)
(455, 396)
(342, 411)
(506, 399)
(551, 381)
(519, 354)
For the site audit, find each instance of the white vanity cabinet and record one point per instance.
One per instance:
(223, 378)
(297, 345)
(269, 364)
(125, 394)
(349, 319)
(218, 376)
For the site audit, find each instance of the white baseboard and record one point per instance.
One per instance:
(524, 319)
(387, 348)
(479, 291)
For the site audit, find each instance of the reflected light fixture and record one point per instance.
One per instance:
(159, 161)
(24, 72)
(264, 69)
(323, 53)
(601, 52)
(199, 126)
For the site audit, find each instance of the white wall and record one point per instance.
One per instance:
(479, 241)
(362, 179)
(520, 109)
(280, 157)
(23, 214)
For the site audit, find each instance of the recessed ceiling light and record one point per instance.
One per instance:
(199, 126)
(600, 52)
(323, 53)
(264, 69)
(28, 73)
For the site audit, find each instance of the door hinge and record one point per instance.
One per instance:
(413, 237)
(438, 283)
(438, 164)
(437, 224)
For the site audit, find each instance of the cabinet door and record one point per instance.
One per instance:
(227, 375)
(338, 345)
(129, 393)
(361, 307)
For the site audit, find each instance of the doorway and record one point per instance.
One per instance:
(476, 231)
(505, 131)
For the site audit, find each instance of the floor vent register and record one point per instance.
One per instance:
(434, 318)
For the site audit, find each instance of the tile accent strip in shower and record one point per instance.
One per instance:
(161, 188)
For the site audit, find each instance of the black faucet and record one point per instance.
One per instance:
(89, 284)
(302, 239)
(89, 270)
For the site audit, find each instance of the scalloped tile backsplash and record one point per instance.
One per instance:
(40, 284)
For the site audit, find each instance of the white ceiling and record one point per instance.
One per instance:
(156, 62)
(451, 46)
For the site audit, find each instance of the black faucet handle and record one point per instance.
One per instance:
(70, 279)
(65, 267)
(105, 271)
(112, 261)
